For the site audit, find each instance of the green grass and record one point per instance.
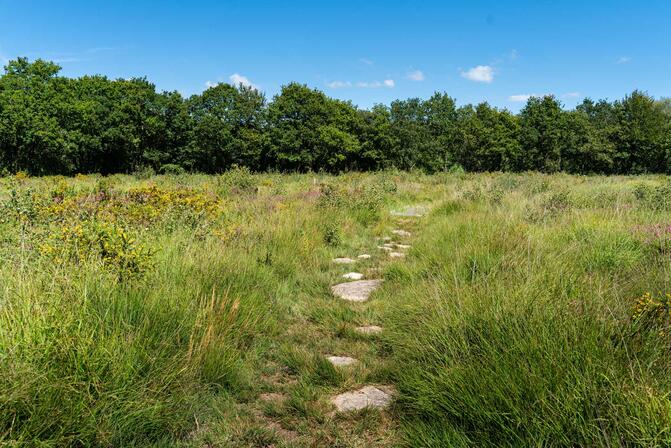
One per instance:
(195, 310)
(520, 331)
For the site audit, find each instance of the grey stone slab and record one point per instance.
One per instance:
(378, 397)
(341, 361)
(357, 291)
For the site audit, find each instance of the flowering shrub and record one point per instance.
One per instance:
(653, 312)
(106, 242)
(143, 205)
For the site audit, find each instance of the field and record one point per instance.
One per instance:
(193, 310)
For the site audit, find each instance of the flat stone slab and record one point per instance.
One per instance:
(388, 249)
(341, 361)
(400, 232)
(364, 257)
(403, 246)
(412, 212)
(353, 276)
(396, 255)
(369, 329)
(378, 397)
(343, 260)
(357, 291)
(389, 245)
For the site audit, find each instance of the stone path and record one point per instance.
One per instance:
(410, 212)
(358, 290)
(341, 361)
(368, 396)
(369, 329)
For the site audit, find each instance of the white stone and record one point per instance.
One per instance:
(403, 246)
(388, 249)
(364, 256)
(400, 232)
(411, 212)
(389, 245)
(341, 361)
(369, 329)
(396, 255)
(343, 260)
(353, 276)
(378, 397)
(357, 291)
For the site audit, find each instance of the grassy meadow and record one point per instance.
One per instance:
(194, 310)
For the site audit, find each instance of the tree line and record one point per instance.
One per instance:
(51, 124)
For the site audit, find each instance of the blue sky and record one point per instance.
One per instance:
(367, 52)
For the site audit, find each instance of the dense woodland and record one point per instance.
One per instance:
(50, 124)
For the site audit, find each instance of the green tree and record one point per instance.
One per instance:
(541, 135)
(642, 139)
(309, 131)
(227, 128)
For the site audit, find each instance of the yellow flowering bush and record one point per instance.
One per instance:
(652, 312)
(105, 242)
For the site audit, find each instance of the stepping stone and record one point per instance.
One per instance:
(410, 212)
(343, 261)
(378, 397)
(388, 249)
(341, 361)
(389, 245)
(386, 239)
(353, 276)
(369, 329)
(403, 246)
(400, 232)
(364, 256)
(396, 255)
(357, 291)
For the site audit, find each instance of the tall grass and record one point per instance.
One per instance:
(513, 328)
(136, 311)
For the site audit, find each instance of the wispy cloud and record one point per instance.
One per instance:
(338, 84)
(513, 55)
(388, 83)
(520, 98)
(366, 61)
(416, 75)
(481, 73)
(623, 60)
(571, 95)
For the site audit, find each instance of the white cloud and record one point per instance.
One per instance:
(571, 95)
(338, 84)
(481, 73)
(361, 85)
(520, 98)
(416, 75)
(623, 60)
(514, 54)
(237, 79)
(210, 84)
(366, 61)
